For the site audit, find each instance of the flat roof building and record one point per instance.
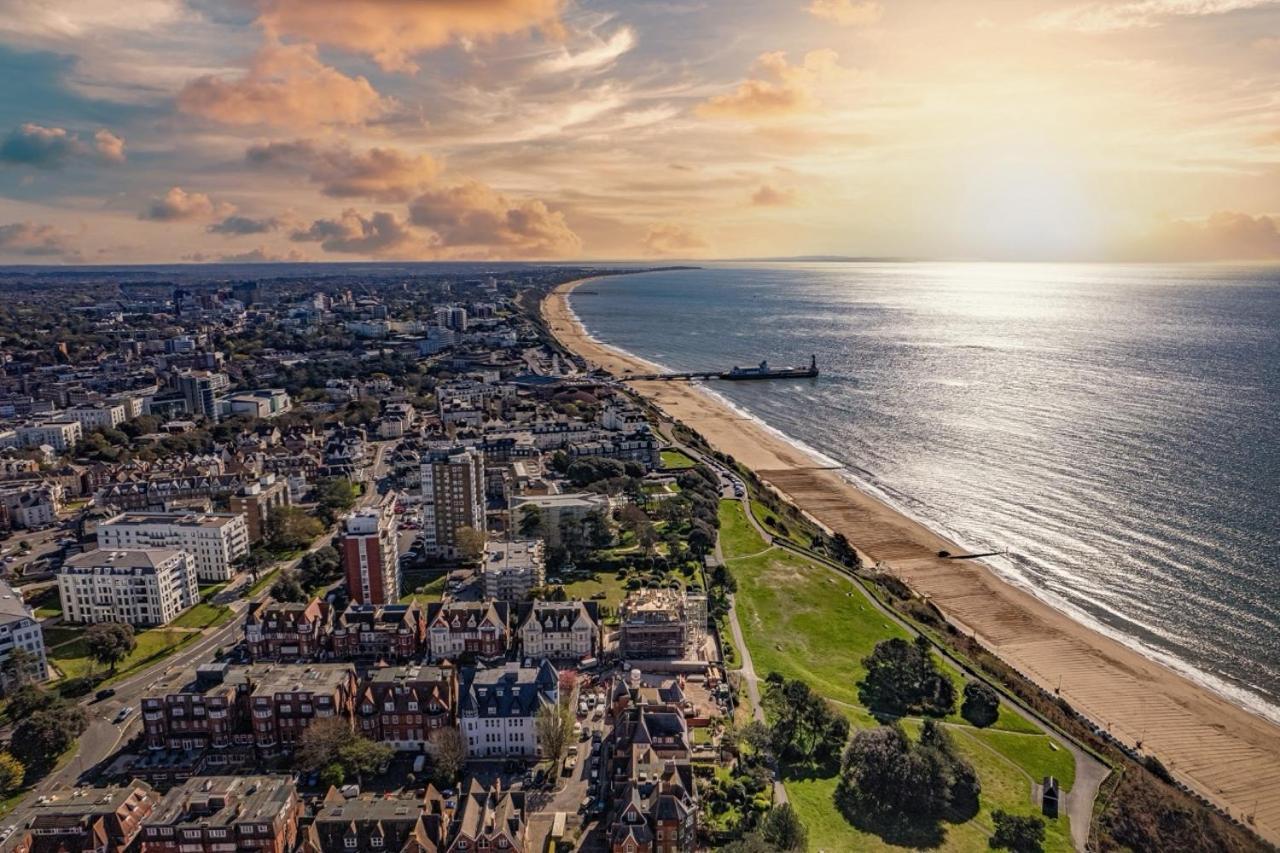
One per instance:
(215, 540)
(143, 587)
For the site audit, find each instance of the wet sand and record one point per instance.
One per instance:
(1228, 754)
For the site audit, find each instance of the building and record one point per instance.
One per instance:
(32, 505)
(284, 700)
(206, 721)
(408, 706)
(215, 540)
(267, 403)
(660, 623)
(650, 782)
(144, 587)
(61, 435)
(489, 819)
(497, 708)
(512, 570)
(370, 552)
(558, 510)
(19, 629)
(379, 632)
(452, 498)
(401, 824)
(287, 631)
(200, 390)
(475, 629)
(85, 820)
(212, 814)
(100, 416)
(256, 500)
(559, 630)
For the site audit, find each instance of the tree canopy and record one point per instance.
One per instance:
(903, 678)
(110, 642)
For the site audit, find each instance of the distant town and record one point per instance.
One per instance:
(347, 563)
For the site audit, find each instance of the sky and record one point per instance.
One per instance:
(162, 131)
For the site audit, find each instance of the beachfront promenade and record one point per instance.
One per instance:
(1217, 748)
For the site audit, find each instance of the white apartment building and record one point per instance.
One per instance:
(144, 587)
(512, 570)
(60, 434)
(497, 708)
(559, 630)
(20, 630)
(101, 416)
(557, 510)
(452, 498)
(215, 540)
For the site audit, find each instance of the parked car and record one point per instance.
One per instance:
(105, 693)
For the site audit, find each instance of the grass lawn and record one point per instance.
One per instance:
(263, 582)
(675, 460)
(73, 660)
(613, 589)
(427, 592)
(203, 616)
(61, 634)
(208, 591)
(47, 603)
(805, 621)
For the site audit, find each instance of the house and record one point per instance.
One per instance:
(85, 820)
(287, 631)
(407, 706)
(559, 630)
(477, 629)
(489, 819)
(211, 814)
(379, 632)
(401, 824)
(497, 708)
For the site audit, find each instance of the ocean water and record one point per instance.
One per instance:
(1116, 429)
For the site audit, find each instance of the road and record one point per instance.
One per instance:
(1090, 772)
(104, 736)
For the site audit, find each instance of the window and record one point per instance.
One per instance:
(350, 842)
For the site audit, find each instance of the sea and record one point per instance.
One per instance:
(1112, 430)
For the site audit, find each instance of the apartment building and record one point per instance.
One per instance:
(143, 587)
(100, 416)
(263, 404)
(497, 708)
(370, 553)
(215, 540)
(284, 700)
(287, 631)
(61, 435)
(207, 714)
(559, 630)
(479, 629)
(661, 623)
(19, 629)
(489, 818)
(559, 510)
(453, 488)
(379, 632)
(256, 500)
(408, 706)
(84, 819)
(213, 814)
(512, 570)
(407, 823)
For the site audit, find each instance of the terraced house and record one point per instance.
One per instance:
(489, 820)
(497, 708)
(479, 629)
(408, 707)
(559, 630)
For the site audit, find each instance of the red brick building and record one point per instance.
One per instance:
(287, 631)
(284, 700)
(85, 820)
(409, 706)
(369, 548)
(211, 814)
(379, 632)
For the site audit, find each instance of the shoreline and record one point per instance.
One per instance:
(1219, 749)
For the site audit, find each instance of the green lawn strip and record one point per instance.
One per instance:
(203, 616)
(737, 537)
(263, 582)
(430, 591)
(56, 635)
(73, 660)
(1035, 754)
(614, 589)
(675, 460)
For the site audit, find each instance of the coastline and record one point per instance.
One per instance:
(1224, 752)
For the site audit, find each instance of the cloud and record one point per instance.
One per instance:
(284, 86)
(474, 216)
(666, 238)
(594, 58)
(109, 146)
(178, 205)
(767, 196)
(781, 88)
(238, 226)
(35, 240)
(393, 31)
(381, 174)
(54, 147)
(847, 13)
(1224, 236)
(1113, 16)
(381, 234)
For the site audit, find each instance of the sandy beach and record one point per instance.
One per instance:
(1223, 751)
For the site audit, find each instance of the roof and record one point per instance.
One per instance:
(224, 801)
(555, 616)
(511, 690)
(11, 604)
(186, 519)
(136, 558)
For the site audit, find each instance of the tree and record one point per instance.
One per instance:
(450, 756)
(702, 538)
(471, 544)
(1017, 833)
(805, 726)
(40, 738)
(981, 704)
(332, 741)
(12, 772)
(783, 829)
(290, 527)
(554, 725)
(531, 521)
(28, 699)
(288, 588)
(903, 678)
(19, 669)
(110, 642)
(320, 566)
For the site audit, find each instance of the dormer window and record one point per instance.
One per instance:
(376, 841)
(351, 842)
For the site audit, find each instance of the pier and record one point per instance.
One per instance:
(736, 374)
